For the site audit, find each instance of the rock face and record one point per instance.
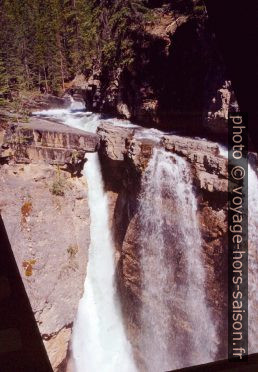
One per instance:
(44, 206)
(129, 150)
(210, 168)
(223, 101)
(49, 235)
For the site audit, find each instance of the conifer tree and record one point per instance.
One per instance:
(4, 87)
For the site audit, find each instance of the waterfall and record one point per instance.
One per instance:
(252, 260)
(99, 341)
(252, 256)
(177, 329)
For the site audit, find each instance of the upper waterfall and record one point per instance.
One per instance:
(99, 341)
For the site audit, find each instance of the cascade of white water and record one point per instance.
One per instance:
(99, 341)
(177, 329)
(76, 105)
(252, 256)
(252, 260)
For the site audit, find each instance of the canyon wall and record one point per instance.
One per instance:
(177, 79)
(44, 207)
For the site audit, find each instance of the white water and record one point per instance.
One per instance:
(177, 329)
(99, 342)
(252, 261)
(252, 256)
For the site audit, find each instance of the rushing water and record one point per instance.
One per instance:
(252, 260)
(99, 341)
(177, 329)
(252, 256)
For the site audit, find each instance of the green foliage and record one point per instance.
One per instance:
(200, 9)
(119, 23)
(43, 44)
(4, 87)
(58, 186)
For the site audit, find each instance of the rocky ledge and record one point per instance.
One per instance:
(135, 146)
(49, 142)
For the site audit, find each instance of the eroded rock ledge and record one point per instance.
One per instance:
(48, 142)
(135, 145)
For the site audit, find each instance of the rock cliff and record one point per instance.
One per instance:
(43, 202)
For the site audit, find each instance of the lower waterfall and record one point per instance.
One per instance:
(177, 329)
(99, 341)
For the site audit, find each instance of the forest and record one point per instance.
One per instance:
(44, 44)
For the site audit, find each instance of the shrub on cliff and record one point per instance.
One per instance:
(58, 188)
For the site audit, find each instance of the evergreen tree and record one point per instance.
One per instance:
(4, 87)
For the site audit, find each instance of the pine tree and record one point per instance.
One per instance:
(4, 87)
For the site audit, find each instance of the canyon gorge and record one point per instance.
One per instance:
(149, 222)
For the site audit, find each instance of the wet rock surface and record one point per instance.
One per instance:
(131, 145)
